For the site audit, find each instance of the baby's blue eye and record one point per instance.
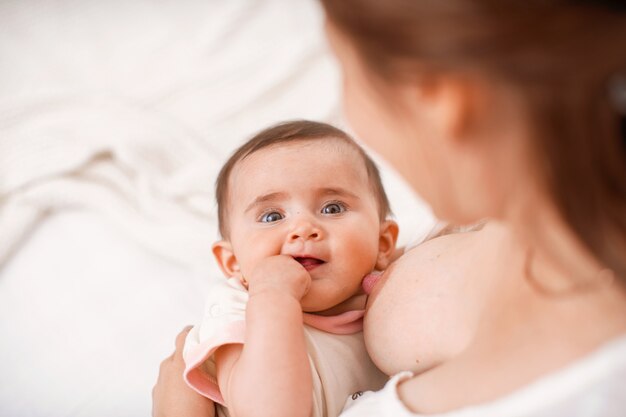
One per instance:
(272, 216)
(333, 208)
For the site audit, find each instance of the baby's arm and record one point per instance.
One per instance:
(270, 374)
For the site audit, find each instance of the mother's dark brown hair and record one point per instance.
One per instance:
(560, 56)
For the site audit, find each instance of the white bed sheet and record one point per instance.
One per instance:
(114, 119)
(86, 317)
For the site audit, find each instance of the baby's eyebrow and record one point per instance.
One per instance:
(265, 198)
(337, 191)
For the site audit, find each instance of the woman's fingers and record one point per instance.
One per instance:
(180, 339)
(178, 349)
(171, 397)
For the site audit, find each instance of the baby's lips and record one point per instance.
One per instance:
(370, 280)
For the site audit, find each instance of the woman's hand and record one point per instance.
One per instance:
(171, 397)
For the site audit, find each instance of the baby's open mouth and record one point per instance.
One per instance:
(308, 263)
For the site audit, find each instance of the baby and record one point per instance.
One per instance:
(303, 219)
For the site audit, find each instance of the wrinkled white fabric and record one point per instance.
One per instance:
(129, 110)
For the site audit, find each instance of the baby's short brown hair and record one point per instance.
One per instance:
(293, 131)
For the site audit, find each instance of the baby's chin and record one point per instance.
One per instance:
(325, 297)
(319, 306)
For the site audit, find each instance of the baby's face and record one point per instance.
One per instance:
(312, 201)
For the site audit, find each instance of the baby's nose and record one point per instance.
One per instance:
(306, 231)
(306, 236)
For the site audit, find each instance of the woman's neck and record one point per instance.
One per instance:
(557, 261)
(527, 332)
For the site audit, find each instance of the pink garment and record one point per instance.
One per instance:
(349, 322)
(196, 377)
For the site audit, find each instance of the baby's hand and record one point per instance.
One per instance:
(280, 273)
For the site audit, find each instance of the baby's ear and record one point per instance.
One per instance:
(386, 243)
(225, 257)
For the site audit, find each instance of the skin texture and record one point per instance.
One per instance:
(296, 183)
(462, 142)
(435, 285)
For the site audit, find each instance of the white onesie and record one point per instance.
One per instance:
(339, 362)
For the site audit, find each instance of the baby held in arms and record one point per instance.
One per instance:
(303, 219)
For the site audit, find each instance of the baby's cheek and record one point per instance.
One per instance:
(361, 252)
(247, 260)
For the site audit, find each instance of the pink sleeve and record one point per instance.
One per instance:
(199, 362)
(223, 323)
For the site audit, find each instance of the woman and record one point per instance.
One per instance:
(507, 110)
